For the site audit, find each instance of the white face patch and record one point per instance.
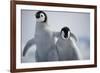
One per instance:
(62, 35)
(68, 34)
(42, 18)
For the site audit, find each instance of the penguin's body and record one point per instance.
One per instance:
(53, 54)
(43, 38)
(66, 50)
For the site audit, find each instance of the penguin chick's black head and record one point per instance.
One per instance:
(65, 30)
(38, 15)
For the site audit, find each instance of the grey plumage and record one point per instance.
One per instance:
(28, 45)
(44, 41)
(67, 48)
(53, 54)
(43, 38)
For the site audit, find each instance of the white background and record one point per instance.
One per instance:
(5, 36)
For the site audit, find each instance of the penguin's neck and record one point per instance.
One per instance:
(40, 26)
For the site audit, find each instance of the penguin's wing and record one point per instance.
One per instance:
(74, 36)
(76, 49)
(28, 45)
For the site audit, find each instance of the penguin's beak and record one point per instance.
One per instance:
(72, 35)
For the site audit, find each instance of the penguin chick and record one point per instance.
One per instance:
(66, 45)
(43, 38)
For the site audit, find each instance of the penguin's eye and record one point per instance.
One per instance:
(41, 15)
